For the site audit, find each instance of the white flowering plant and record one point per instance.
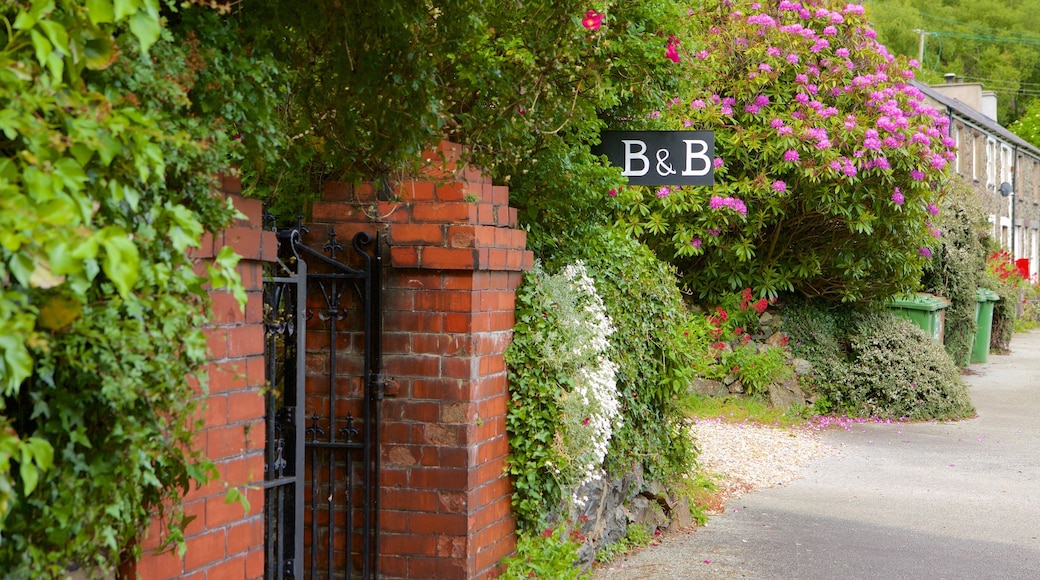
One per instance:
(565, 405)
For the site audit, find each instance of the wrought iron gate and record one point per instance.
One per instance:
(321, 466)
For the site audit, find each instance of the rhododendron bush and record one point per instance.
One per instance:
(828, 161)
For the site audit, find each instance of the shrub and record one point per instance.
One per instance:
(1003, 278)
(957, 265)
(898, 371)
(868, 362)
(827, 158)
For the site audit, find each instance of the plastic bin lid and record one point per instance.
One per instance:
(985, 294)
(920, 301)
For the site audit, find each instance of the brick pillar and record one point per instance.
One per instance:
(224, 542)
(456, 259)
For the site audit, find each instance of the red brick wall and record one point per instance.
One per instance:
(456, 258)
(224, 542)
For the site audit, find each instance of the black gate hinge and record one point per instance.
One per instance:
(384, 386)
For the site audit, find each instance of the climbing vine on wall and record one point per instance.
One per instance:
(112, 132)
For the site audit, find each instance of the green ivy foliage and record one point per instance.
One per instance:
(114, 128)
(870, 363)
(827, 159)
(658, 347)
(957, 265)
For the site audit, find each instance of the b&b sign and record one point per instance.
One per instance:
(661, 157)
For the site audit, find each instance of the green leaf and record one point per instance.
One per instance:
(16, 364)
(57, 34)
(185, 230)
(146, 28)
(99, 49)
(222, 274)
(100, 11)
(124, 8)
(29, 19)
(121, 259)
(41, 45)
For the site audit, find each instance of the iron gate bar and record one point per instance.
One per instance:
(370, 276)
(293, 440)
(285, 296)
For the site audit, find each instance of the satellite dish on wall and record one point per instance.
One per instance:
(1005, 189)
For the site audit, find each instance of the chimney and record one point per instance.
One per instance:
(989, 104)
(950, 78)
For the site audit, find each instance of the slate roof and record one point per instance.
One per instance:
(961, 109)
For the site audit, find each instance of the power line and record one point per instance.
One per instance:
(987, 38)
(993, 31)
(982, 79)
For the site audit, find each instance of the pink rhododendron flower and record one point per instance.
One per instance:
(718, 202)
(897, 197)
(925, 252)
(717, 163)
(663, 192)
(593, 20)
(790, 155)
(612, 193)
(779, 186)
(696, 243)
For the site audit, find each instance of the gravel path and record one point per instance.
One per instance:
(743, 457)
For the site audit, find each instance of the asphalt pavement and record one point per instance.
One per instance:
(928, 501)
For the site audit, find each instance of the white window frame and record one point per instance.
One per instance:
(957, 143)
(1007, 163)
(991, 161)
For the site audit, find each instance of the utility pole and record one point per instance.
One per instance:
(920, 45)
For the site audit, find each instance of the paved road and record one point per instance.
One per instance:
(913, 501)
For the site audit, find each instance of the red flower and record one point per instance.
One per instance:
(547, 532)
(761, 306)
(672, 52)
(718, 346)
(745, 298)
(784, 340)
(738, 330)
(593, 20)
(723, 315)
